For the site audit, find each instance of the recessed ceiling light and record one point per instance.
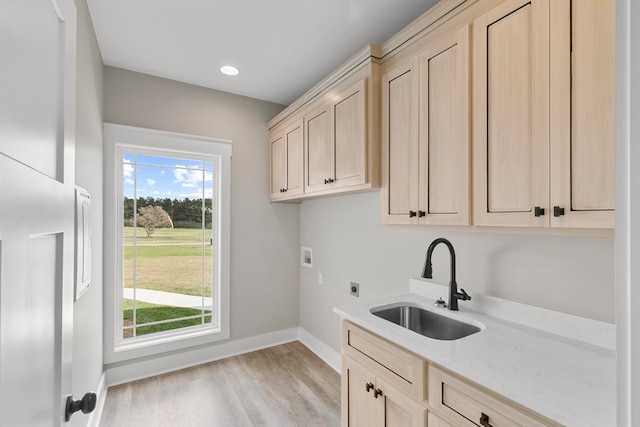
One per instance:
(229, 70)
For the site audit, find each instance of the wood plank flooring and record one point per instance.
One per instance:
(285, 385)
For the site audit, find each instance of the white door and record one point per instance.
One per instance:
(37, 98)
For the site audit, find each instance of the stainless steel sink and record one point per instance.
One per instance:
(426, 322)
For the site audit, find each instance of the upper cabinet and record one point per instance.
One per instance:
(543, 114)
(582, 113)
(425, 136)
(286, 160)
(479, 113)
(336, 141)
(339, 121)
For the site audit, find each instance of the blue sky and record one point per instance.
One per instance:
(160, 177)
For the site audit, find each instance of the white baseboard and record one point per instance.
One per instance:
(124, 372)
(322, 350)
(96, 415)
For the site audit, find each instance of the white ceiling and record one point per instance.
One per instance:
(282, 47)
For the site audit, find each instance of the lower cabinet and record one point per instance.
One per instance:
(384, 384)
(465, 404)
(372, 401)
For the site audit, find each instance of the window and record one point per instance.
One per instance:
(167, 242)
(170, 241)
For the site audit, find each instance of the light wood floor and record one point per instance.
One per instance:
(285, 385)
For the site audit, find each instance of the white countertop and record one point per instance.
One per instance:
(569, 381)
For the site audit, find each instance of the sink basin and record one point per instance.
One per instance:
(426, 322)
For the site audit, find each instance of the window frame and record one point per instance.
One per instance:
(119, 139)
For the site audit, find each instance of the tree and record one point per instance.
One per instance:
(153, 218)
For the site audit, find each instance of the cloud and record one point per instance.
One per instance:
(127, 169)
(129, 181)
(150, 181)
(162, 172)
(190, 178)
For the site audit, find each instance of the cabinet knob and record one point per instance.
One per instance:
(484, 420)
(558, 211)
(412, 214)
(538, 211)
(369, 386)
(377, 392)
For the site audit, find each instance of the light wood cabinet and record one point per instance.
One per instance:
(543, 114)
(287, 160)
(426, 138)
(319, 149)
(382, 384)
(462, 404)
(582, 81)
(340, 133)
(336, 141)
(373, 402)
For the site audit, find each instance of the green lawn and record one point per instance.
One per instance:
(146, 313)
(171, 260)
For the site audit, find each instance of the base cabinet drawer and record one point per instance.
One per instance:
(463, 404)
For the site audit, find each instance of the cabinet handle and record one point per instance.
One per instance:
(484, 420)
(412, 214)
(538, 211)
(377, 392)
(558, 211)
(326, 181)
(369, 386)
(421, 214)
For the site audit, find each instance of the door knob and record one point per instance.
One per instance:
(87, 404)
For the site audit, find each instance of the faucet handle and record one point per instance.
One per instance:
(464, 296)
(440, 303)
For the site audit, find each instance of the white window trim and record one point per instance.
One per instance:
(117, 137)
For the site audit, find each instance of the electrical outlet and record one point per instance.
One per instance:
(354, 288)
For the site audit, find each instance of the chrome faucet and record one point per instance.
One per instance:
(427, 273)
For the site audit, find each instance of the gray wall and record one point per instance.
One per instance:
(569, 274)
(87, 313)
(264, 236)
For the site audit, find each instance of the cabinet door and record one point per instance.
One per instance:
(349, 119)
(583, 113)
(400, 144)
(358, 403)
(444, 131)
(278, 165)
(319, 150)
(294, 138)
(396, 409)
(511, 114)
